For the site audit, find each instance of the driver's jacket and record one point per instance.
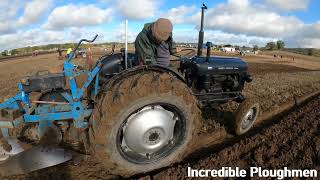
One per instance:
(146, 46)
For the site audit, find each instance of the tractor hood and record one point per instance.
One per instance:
(216, 65)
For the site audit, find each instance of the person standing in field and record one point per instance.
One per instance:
(69, 50)
(154, 44)
(60, 54)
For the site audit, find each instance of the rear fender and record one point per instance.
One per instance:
(139, 69)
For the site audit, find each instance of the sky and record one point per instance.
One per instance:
(238, 22)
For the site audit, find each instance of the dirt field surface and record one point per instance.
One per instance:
(275, 84)
(291, 141)
(274, 88)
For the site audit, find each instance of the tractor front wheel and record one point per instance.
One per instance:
(246, 116)
(147, 122)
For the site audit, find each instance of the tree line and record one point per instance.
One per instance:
(50, 47)
(279, 45)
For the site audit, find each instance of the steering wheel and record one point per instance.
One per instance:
(83, 40)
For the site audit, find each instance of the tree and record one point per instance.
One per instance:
(4, 53)
(311, 52)
(14, 52)
(255, 48)
(271, 46)
(280, 45)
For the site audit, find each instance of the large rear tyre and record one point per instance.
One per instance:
(246, 116)
(147, 122)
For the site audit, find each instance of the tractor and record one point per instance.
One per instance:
(134, 118)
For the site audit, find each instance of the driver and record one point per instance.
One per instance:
(154, 44)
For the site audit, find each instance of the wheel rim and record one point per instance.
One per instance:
(151, 133)
(249, 118)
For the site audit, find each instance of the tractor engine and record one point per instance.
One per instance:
(215, 80)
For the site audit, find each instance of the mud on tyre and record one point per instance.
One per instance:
(146, 122)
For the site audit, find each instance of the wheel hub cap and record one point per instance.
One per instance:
(249, 117)
(148, 130)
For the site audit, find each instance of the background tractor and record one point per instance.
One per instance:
(134, 118)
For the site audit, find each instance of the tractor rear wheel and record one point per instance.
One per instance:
(145, 123)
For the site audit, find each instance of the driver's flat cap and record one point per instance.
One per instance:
(162, 29)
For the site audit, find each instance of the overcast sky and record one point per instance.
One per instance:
(241, 22)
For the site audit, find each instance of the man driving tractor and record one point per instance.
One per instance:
(154, 44)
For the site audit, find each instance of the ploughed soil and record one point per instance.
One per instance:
(292, 140)
(287, 141)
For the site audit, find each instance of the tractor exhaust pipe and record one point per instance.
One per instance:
(209, 46)
(201, 32)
